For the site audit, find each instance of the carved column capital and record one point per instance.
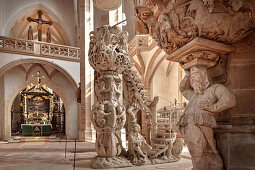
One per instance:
(175, 23)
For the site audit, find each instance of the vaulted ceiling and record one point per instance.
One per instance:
(20, 28)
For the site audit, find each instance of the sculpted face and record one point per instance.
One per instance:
(197, 83)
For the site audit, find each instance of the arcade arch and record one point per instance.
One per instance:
(15, 77)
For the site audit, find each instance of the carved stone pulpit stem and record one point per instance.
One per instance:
(108, 56)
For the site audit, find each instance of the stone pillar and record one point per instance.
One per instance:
(195, 34)
(85, 130)
(2, 109)
(82, 113)
(235, 135)
(2, 6)
(100, 18)
(129, 11)
(108, 56)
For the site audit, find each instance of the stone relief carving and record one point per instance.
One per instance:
(174, 23)
(190, 32)
(108, 56)
(139, 147)
(197, 123)
(207, 55)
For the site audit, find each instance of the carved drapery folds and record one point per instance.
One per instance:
(198, 34)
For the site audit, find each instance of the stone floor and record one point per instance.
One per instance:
(51, 156)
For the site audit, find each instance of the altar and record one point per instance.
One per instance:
(36, 129)
(38, 109)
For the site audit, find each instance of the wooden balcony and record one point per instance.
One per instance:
(39, 49)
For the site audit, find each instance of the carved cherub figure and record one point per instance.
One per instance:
(197, 123)
(120, 116)
(100, 115)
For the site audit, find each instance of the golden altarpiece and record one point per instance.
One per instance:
(37, 110)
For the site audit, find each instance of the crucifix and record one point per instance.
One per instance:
(38, 77)
(40, 22)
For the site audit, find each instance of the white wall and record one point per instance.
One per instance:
(166, 87)
(73, 68)
(13, 80)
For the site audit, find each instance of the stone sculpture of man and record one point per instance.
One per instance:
(139, 147)
(197, 123)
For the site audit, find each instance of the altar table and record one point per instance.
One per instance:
(36, 129)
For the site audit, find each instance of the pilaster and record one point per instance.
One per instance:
(86, 73)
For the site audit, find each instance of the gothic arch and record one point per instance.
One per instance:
(67, 95)
(15, 63)
(60, 27)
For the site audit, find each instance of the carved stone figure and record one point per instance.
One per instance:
(197, 123)
(30, 33)
(174, 23)
(139, 147)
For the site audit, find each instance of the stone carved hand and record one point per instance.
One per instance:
(204, 105)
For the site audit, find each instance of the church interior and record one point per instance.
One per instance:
(127, 84)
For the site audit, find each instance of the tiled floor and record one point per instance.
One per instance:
(51, 156)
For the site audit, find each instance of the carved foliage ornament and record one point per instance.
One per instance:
(174, 23)
(108, 49)
(205, 58)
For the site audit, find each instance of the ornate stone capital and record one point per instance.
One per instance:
(174, 23)
(108, 49)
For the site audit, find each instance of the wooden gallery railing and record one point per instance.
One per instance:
(39, 49)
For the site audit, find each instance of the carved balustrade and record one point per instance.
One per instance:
(41, 49)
